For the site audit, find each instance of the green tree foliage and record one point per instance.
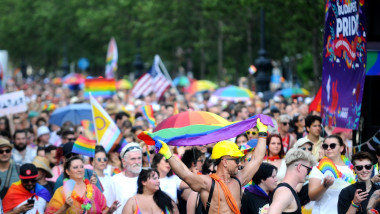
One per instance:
(208, 37)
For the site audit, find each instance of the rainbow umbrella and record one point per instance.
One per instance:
(289, 92)
(232, 93)
(200, 86)
(74, 79)
(181, 81)
(123, 84)
(191, 118)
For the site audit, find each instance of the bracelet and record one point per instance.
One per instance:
(354, 205)
(263, 134)
(374, 211)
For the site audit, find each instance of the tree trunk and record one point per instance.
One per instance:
(249, 45)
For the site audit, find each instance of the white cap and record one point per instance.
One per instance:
(42, 130)
(130, 147)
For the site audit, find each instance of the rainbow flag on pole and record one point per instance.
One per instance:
(84, 146)
(148, 113)
(107, 132)
(99, 87)
(252, 69)
(111, 60)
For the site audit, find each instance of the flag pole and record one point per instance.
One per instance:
(96, 132)
(168, 76)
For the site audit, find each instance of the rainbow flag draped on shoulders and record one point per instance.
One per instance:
(18, 194)
(201, 134)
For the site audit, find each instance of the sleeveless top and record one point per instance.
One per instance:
(298, 211)
(137, 210)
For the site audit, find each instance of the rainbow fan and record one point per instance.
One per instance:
(326, 164)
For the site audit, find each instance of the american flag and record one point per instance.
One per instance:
(151, 81)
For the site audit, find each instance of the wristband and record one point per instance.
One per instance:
(263, 134)
(354, 205)
(374, 211)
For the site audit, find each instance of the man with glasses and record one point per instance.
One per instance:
(8, 169)
(67, 136)
(26, 195)
(285, 199)
(283, 127)
(354, 199)
(22, 153)
(313, 129)
(124, 185)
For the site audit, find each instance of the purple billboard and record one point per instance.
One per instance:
(344, 62)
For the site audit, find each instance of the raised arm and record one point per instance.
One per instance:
(246, 174)
(195, 182)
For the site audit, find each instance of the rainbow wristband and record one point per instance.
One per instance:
(354, 205)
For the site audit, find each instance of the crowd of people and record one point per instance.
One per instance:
(266, 169)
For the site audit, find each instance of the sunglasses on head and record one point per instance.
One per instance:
(132, 148)
(251, 133)
(25, 181)
(360, 167)
(308, 168)
(310, 149)
(104, 159)
(326, 146)
(5, 151)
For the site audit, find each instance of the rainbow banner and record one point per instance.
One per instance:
(111, 60)
(148, 113)
(99, 87)
(84, 146)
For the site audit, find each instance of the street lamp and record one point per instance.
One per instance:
(263, 64)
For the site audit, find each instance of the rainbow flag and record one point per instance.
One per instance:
(195, 135)
(252, 69)
(115, 171)
(99, 87)
(148, 113)
(111, 60)
(89, 129)
(84, 146)
(107, 133)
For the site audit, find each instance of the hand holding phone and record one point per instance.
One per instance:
(361, 186)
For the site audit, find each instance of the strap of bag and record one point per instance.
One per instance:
(9, 173)
(210, 195)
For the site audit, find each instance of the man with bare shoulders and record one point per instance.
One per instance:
(285, 199)
(225, 185)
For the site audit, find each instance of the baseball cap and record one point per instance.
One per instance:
(28, 171)
(67, 149)
(130, 147)
(42, 130)
(302, 141)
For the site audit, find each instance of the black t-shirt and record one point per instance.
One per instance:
(252, 204)
(347, 195)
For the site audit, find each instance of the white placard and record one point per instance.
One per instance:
(12, 103)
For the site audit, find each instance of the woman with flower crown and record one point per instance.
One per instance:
(85, 197)
(333, 173)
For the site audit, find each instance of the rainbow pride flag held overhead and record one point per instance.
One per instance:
(84, 146)
(111, 60)
(201, 134)
(99, 87)
(252, 69)
(148, 113)
(107, 133)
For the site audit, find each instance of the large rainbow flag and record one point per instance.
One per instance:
(201, 134)
(111, 60)
(107, 133)
(99, 87)
(84, 146)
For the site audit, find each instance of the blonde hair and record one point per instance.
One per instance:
(294, 155)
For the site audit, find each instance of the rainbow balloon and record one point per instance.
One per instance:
(326, 164)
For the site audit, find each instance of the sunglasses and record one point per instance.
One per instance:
(104, 159)
(25, 181)
(237, 160)
(360, 167)
(308, 168)
(132, 148)
(310, 149)
(326, 146)
(285, 123)
(71, 139)
(5, 151)
(251, 133)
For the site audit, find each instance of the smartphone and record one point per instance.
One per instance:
(30, 201)
(361, 186)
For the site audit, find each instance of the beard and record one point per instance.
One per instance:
(131, 168)
(20, 148)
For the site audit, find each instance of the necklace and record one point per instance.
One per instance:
(85, 201)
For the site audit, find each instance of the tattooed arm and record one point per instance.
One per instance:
(373, 200)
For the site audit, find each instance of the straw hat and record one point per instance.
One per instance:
(43, 163)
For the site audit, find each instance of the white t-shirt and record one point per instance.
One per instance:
(122, 188)
(106, 181)
(28, 157)
(329, 200)
(170, 185)
(39, 204)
